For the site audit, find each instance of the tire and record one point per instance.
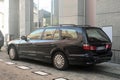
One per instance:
(60, 61)
(13, 53)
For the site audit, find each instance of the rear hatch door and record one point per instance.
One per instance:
(98, 38)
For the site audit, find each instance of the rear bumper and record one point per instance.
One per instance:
(89, 58)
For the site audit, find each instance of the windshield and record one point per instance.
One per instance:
(96, 35)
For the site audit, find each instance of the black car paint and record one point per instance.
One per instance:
(44, 49)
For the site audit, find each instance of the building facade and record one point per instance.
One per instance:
(78, 12)
(44, 18)
(18, 17)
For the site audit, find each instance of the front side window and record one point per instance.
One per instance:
(48, 34)
(69, 34)
(96, 35)
(36, 34)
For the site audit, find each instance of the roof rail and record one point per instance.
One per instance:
(74, 25)
(85, 25)
(67, 25)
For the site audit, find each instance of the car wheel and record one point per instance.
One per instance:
(60, 61)
(13, 53)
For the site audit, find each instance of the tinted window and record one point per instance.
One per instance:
(80, 34)
(36, 34)
(56, 35)
(48, 34)
(96, 35)
(69, 34)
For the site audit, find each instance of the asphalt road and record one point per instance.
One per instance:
(8, 71)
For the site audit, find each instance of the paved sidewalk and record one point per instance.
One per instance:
(107, 68)
(112, 69)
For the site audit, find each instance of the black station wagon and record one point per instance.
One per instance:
(63, 45)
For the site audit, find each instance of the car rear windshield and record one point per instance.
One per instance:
(97, 35)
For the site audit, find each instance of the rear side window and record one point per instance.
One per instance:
(96, 35)
(69, 34)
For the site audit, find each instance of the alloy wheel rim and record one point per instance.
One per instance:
(59, 61)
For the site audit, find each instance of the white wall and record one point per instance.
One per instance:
(108, 31)
(68, 11)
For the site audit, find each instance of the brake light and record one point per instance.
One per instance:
(108, 46)
(88, 47)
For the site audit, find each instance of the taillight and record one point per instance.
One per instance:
(108, 46)
(88, 47)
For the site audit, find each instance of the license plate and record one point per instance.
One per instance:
(101, 48)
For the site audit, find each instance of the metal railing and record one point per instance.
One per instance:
(116, 56)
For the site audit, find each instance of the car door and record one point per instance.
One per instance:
(27, 48)
(24, 48)
(47, 43)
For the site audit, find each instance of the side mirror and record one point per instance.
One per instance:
(24, 38)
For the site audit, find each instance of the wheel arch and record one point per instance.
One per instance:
(53, 52)
(11, 45)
